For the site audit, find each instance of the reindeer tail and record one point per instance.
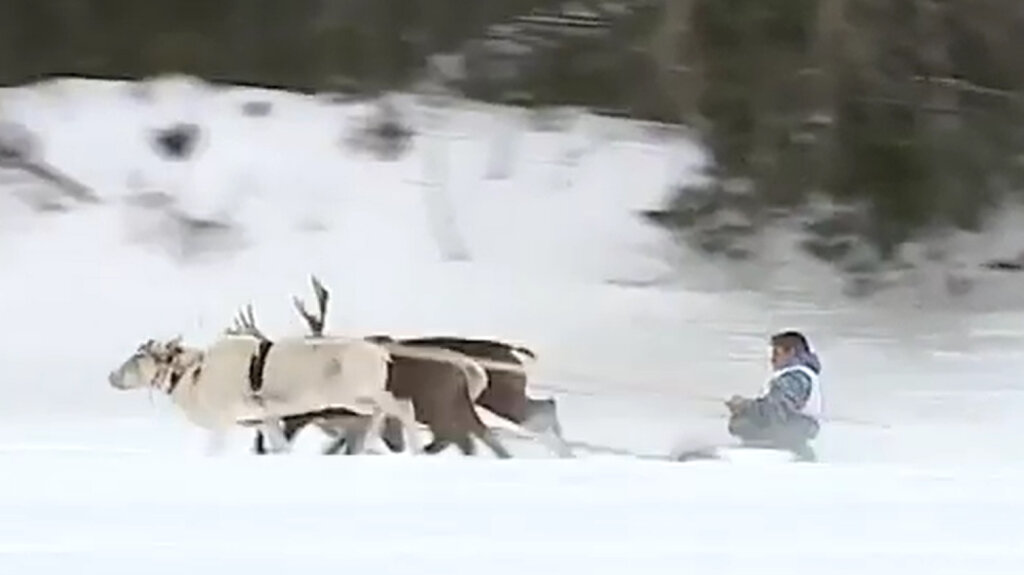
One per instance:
(525, 351)
(524, 355)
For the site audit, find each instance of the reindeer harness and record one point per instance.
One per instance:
(257, 365)
(175, 375)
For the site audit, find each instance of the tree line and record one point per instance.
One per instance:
(903, 115)
(323, 45)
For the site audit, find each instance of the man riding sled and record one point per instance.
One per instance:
(786, 415)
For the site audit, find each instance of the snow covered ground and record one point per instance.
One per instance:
(170, 515)
(923, 401)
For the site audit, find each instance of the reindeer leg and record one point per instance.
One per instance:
(339, 429)
(292, 426)
(336, 438)
(560, 444)
(466, 445)
(335, 445)
(374, 426)
(394, 434)
(556, 443)
(271, 428)
(402, 410)
(543, 422)
(407, 416)
(259, 444)
(436, 446)
(352, 437)
(356, 437)
(491, 441)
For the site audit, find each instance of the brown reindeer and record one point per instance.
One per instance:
(505, 394)
(439, 386)
(441, 400)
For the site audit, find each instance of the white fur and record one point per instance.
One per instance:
(300, 376)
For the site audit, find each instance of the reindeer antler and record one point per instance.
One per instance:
(173, 345)
(314, 322)
(245, 324)
(162, 351)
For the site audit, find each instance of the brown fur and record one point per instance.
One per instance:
(505, 395)
(506, 390)
(440, 397)
(441, 392)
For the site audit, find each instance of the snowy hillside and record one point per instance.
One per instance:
(306, 204)
(547, 217)
(557, 260)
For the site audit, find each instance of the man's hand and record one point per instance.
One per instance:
(736, 403)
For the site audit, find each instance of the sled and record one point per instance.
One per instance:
(739, 453)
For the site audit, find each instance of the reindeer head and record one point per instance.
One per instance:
(148, 366)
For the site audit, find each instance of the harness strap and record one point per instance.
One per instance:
(257, 364)
(175, 379)
(176, 375)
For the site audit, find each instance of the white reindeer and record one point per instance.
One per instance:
(473, 368)
(245, 379)
(410, 386)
